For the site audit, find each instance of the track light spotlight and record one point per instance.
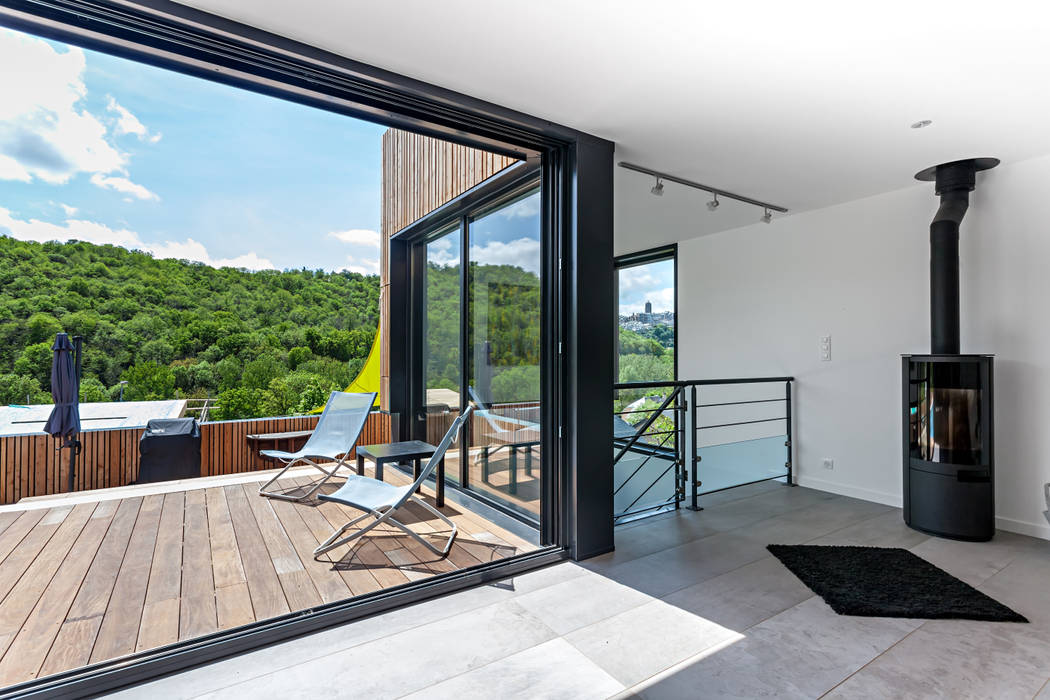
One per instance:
(658, 188)
(767, 217)
(713, 204)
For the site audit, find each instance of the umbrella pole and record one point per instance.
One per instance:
(72, 463)
(74, 443)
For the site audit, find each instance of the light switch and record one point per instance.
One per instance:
(825, 348)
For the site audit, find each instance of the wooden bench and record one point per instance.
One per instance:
(290, 441)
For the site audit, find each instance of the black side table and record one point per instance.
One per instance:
(397, 452)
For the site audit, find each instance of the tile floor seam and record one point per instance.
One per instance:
(728, 531)
(503, 658)
(717, 646)
(854, 524)
(874, 659)
(671, 514)
(749, 563)
(917, 628)
(554, 634)
(361, 643)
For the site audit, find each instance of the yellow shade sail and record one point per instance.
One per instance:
(367, 379)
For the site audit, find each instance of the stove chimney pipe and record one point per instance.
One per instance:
(953, 183)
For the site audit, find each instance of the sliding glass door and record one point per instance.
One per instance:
(478, 282)
(503, 331)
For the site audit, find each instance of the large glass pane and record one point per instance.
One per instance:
(646, 321)
(504, 347)
(442, 373)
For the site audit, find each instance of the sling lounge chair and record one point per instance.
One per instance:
(380, 500)
(332, 440)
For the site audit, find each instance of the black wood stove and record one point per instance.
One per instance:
(949, 458)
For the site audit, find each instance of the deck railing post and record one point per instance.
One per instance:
(694, 454)
(789, 439)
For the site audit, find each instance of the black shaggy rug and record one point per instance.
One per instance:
(884, 582)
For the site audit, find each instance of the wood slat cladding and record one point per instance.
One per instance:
(421, 173)
(32, 465)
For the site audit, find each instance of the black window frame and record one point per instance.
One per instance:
(458, 214)
(577, 187)
(644, 257)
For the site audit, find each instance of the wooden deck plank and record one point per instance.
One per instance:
(299, 589)
(24, 595)
(31, 644)
(267, 596)
(197, 615)
(6, 519)
(227, 569)
(72, 646)
(119, 632)
(160, 614)
(17, 531)
(331, 588)
(233, 606)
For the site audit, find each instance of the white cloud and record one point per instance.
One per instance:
(195, 250)
(522, 252)
(70, 211)
(363, 266)
(653, 282)
(442, 252)
(522, 209)
(42, 126)
(128, 123)
(11, 169)
(123, 185)
(94, 232)
(357, 236)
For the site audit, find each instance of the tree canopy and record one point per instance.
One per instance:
(174, 328)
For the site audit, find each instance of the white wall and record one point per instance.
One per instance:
(755, 300)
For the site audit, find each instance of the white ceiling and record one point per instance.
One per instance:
(803, 104)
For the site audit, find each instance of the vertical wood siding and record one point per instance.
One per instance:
(421, 173)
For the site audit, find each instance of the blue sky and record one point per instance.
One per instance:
(104, 149)
(652, 282)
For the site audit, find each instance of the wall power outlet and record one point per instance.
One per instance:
(829, 463)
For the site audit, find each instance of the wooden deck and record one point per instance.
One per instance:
(103, 574)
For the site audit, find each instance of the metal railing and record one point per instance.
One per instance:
(663, 431)
(648, 450)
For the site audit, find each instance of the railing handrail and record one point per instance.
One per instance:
(700, 382)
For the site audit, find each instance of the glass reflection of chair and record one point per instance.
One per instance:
(513, 434)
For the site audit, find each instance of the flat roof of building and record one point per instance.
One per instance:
(27, 420)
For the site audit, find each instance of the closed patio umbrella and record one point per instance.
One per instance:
(64, 421)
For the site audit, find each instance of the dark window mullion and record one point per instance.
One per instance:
(464, 352)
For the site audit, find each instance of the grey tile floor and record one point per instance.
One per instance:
(689, 605)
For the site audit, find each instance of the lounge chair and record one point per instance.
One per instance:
(513, 433)
(332, 440)
(380, 500)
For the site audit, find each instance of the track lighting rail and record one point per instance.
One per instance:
(706, 188)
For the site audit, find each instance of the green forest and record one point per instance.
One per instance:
(265, 343)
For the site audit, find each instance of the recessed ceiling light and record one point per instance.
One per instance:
(921, 124)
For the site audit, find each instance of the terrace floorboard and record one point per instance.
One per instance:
(91, 580)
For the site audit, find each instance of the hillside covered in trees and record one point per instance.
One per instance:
(265, 343)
